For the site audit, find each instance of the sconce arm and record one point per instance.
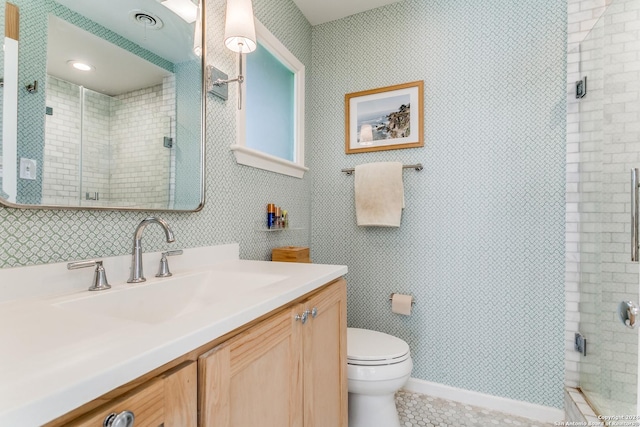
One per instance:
(239, 79)
(220, 82)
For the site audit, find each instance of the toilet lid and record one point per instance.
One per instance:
(371, 347)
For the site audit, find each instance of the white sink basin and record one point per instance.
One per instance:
(159, 300)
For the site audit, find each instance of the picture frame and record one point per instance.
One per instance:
(387, 118)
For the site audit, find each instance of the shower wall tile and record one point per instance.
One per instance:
(60, 178)
(620, 147)
(481, 245)
(95, 145)
(140, 172)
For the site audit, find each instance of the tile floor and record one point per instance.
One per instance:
(419, 410)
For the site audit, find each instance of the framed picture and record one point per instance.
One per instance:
(387, 118)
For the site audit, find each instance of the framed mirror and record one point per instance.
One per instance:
(102, 104)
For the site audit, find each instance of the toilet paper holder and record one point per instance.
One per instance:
(413, 300)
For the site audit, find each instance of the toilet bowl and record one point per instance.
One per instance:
(378, 365)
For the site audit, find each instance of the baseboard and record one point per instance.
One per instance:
(486, 401)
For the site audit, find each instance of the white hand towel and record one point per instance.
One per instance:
(379, 194)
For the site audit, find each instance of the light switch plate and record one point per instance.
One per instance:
(28, 168)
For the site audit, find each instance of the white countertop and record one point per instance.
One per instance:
(53, 360)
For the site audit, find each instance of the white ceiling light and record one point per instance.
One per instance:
(185, 9)
(79, 65)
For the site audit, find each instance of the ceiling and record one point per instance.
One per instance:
(116, 70)
(319, 12)
(173, 41)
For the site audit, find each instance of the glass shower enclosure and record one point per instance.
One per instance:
(609, 139)
(101, 149)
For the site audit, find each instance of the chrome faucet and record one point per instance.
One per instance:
(137, 275)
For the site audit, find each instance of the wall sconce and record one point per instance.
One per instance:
(239, 36)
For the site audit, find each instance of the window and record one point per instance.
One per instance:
(271, 123)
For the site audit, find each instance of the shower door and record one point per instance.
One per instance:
(609, 130)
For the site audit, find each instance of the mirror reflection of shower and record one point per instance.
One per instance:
(102, 148)
(104, 127)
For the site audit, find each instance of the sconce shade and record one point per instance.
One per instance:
(240, 30)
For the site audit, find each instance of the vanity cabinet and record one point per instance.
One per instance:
(286, 368)
(325, 358)
(169, 400)
(289, 370)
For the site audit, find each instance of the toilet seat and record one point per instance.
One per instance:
(378, 365)
(373, 348)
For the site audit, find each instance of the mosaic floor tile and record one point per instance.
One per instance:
(420, 410)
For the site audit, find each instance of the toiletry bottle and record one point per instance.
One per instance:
(278, 217)
(271, 216)
(285, 219)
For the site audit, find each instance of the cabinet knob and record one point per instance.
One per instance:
(123, 419)
(302, 317)
(314, 312)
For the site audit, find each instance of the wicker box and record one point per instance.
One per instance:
(290, 254)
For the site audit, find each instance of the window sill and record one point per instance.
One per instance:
(250, 157)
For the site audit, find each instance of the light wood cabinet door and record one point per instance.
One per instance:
(255, 378)
(169, 400)
(325, 358)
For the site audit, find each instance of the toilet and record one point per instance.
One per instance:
(378, 365)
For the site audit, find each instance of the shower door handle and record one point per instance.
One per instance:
(634, 215)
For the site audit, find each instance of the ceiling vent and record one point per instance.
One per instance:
(146, 19)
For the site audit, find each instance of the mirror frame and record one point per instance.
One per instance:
(203, 175)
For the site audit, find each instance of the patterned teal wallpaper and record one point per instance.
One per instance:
(481, 242)
(32, 58)
(236, 195)
(481, 246)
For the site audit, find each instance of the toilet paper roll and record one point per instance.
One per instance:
(401, 304)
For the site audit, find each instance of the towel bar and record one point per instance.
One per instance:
(418, 167)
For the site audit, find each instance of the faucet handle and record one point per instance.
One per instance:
(164, 264)
(100, 282)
